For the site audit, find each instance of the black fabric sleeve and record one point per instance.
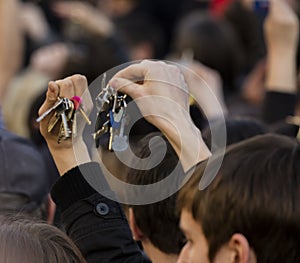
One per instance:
(277, 106)
(96, 224)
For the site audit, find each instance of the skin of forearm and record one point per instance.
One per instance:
(66, 159)
(281, 71)
(10, 44)
(187, 142)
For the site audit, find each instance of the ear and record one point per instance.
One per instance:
(136, 232)
(51, 210)
(241, 251)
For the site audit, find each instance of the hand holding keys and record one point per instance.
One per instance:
(65, 113)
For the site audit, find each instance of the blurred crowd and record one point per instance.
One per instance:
(247, 52)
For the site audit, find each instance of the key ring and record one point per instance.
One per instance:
(109, 103)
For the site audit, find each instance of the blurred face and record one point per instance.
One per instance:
(196, 248)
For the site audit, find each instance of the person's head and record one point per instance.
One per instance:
(250, 211)
(237, 129)
(156, 223)
(212, 42)
(141, 43)
(28, 241)
(23, 177)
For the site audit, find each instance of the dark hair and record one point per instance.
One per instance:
(12, 203)
(213, 42)
(249, 31)
(28, 241)
(131, 30)
(158, 221)
(237, 129)
(256, 193)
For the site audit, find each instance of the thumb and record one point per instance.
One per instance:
(51, 97)
(125, 86)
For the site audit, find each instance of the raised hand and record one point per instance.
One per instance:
(86, 15)
(162, 95)
(63, 153)
(281, 30)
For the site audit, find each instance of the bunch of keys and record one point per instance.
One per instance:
(65, 112)
(111, 119)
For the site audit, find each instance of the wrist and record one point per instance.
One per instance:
(281, 73)
(186, 140)
(67, 158)
(282, 53)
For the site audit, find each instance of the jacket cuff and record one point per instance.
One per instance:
(277, 106)
(72, 186)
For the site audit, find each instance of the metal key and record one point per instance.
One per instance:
(67, 132)
(109, 103)
(64, 105)
(56, 105)
(88, 121)
(60, 133)
(104, 97)
(102, 124)
(66, 113)
(100, 132)
(53, 123)
(112, 121)
(76, 105)
(74, 125)
(120, 141)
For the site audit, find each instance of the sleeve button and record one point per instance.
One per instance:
(102, 209)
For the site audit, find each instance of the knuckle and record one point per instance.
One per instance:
(174, 69)
(67, 84)
(162, 63)
(64, 84)
(79, 81)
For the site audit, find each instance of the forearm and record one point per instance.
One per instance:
(281, 71)
(281, 84)
(186, 140)
(10, 44)
(68, 158)
(281, 31)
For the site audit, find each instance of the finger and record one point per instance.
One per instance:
(51, 97)
(80, 84)
(81, 89)
(135, 72)
(66, 87)
(126, 86)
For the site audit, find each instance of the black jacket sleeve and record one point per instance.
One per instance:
(96, 224)
(277, 106)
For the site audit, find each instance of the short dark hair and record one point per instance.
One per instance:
(132, 31)
(12, 203)
(29, 241)
(213, 42)
(237, 129)
(256, 193)
(158, 221)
